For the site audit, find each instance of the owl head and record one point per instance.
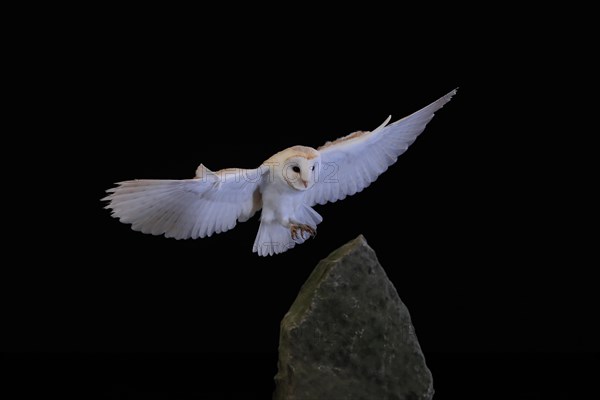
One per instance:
(299, 167)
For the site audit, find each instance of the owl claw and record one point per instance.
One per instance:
(297, 231)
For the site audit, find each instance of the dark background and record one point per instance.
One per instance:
(474, 224)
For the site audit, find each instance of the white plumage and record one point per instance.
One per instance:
(284, 187)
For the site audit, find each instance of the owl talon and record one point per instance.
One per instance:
(297, 231)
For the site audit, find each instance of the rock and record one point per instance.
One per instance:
(349, 336)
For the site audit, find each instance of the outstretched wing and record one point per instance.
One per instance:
(212, 202)
(351, 163)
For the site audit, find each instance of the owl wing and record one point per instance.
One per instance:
(210, 203)
(351, 163)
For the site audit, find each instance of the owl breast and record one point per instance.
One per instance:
(280, 203)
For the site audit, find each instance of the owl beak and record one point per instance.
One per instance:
(305, 183)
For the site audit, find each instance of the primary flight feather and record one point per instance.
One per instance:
(284, 188)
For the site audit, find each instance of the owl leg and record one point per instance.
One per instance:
(298, 231)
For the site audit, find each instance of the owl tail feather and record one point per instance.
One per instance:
(274, 238)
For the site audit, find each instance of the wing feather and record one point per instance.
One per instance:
(195, 230)
(359, 158)
(212, 202)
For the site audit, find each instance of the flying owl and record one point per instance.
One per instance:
(285, 187)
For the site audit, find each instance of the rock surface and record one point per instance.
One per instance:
(349, 336)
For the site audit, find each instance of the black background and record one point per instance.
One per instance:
(470, 224)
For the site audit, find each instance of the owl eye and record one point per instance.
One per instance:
(312, 168)
(296, 169)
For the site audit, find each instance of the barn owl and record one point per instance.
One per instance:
(285, 188)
